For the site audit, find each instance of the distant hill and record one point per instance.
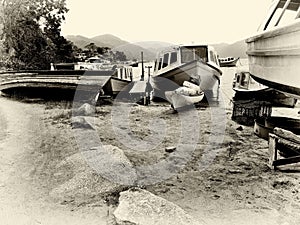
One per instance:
(237, 49)
(81, 41)
(132, 51)
(109, 40)
(153, 46)
(150, 48)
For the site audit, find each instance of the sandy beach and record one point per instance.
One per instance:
(44, 178)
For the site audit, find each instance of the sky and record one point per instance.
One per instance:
(172, 21)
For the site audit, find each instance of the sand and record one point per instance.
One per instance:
(46, 180)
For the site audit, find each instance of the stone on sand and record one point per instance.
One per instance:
(111, 162)
(81, 122)
(98, 171)
(85, 110)
(83, 187)
(141, 207)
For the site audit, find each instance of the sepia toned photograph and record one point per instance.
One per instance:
(136, 112)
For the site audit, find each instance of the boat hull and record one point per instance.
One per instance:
(179, 101)
(231, 63)
(274, 58)
(268, 94)
(207, 76)
(118, 85)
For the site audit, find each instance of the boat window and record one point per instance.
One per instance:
(159, 64)
(244, 80)
(201, 52)
(212, 57)
(238, 79)
(284, 13)
(186, 55)
(155, 64)
(166, 60)
(191, 53)
(173, 57)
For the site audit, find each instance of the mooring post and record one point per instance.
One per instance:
(143, 72)
(148, 86)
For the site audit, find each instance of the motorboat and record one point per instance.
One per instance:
(247, 88)
(274, 51)
(197, 64)
(228, 61)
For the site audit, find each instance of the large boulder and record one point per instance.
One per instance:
(111, 163)
(99, 171)
(141, 207)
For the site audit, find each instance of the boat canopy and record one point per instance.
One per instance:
(282, 12)
(185, 54)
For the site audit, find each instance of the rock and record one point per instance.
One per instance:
(215, 197)
(97, 171)
(83, 187)
(108, 161)
(141, 207)
(170, 149)
(81, 122)
(76, 163)
(233, 171)
(111, 162)
(240, 128)
(85, 110)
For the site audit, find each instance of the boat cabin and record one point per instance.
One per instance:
(281, 13)
(176, 56)
(243, 81)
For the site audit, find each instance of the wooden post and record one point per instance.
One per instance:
(272, 151)
(143, 72)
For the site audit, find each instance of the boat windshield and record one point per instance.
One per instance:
(282, 12)
(191, 53)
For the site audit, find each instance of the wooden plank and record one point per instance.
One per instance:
(288, 135)
(272, 151)
(286, 161)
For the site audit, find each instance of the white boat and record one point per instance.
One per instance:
(121, 79)
(247, 88)
(274, 52)
(228, 61)
(195, 63)
(184, 96)
(243, 83)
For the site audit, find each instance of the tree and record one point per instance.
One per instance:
(120, 56)
(92, 47)
(31, 33)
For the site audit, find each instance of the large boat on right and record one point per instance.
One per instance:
(274, 52)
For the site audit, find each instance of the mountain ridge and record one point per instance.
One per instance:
(150, 48)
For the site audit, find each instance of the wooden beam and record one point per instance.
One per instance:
(272, 151)
(286, 161)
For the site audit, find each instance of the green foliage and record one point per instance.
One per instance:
(31, 33)
(120, 56)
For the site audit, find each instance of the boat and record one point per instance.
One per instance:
(53, 83)
(197, 64)
(228, 61)
(246, 88)
(185, 96)
(121, 79)
(274, 51)
(244, 83)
